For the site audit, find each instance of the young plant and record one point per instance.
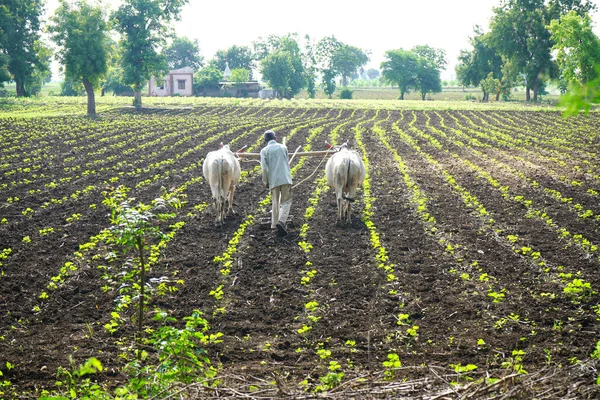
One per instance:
(133, 226)
(391, 365)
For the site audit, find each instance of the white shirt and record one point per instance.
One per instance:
(275, 166)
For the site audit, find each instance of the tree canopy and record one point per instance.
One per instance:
(476, 65)
(519, 32)
(145, 27)
(410, 70)
(183, 52)
(236, 57)
(283, 69)
(436, 56)
(577, 49)
(399, 68)
(208, 78)
(427, 77)
(24, 57)
(80, 31)
(347, 60)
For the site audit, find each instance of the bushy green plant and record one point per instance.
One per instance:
(133, 225)
(346, 93)
(181, 356)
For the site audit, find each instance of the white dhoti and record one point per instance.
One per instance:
(282, 202)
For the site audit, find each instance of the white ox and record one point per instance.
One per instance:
(345, 172)
(221, 169)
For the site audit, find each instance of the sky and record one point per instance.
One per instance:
(376, 25)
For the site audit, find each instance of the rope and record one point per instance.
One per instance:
(305, 179)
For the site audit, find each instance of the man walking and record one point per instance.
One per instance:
(276, 175)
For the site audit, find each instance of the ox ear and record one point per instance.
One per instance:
(221, 145)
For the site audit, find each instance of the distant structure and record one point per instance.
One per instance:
(267, 93)
(237, 89)
(227, 72)
(178, 82)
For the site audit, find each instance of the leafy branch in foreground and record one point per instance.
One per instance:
(133, 226)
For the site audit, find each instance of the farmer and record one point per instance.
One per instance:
(276, 175)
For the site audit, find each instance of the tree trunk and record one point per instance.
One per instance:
(402, 95)
(137, 98)
(91, 98)
(498, 95)
(20, 88)
(527, 94)
(344, 80)
(423, 96)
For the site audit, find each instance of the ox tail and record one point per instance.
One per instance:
(349, 164)
(219, 184)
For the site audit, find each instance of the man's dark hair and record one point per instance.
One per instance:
(269, 135)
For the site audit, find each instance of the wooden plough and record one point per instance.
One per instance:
(330, 150)
(264, 221)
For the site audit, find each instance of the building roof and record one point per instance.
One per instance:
(184, 70)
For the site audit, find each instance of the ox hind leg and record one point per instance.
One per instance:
(347, 212)
(230, 199)
(340, 206)
(218, 203)
(349, 199)
(222, 211)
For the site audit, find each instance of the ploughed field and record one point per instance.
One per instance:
(472, 253)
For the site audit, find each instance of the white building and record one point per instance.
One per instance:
(176, 82)
(227, 72)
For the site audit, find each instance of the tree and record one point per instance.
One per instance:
(276, 69)
(236, 57)
(427, 78)
(240, 75)
(435, 56)
(283, 67)
(265, 46)
(70, 88)
(184, 52)
(373, 73)
(4, 58)
(557, 8)
(577, 49)
(41, 73)
(474, 66)
(519, 32)
(284, 72)
(490, 85)
(4, 74)
(346, 60)
(208, 78)
(400, 68)
(324, 53)
(336, 58)
(328, 82)
(80, 31)
(113, 80)
(144, 26)
(20, 41)
(309, 62)
(509, 79)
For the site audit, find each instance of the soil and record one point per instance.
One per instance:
(359, 313)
